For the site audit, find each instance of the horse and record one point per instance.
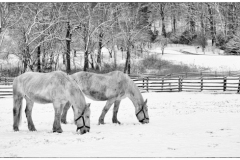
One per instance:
(111, 87)
(54, 87)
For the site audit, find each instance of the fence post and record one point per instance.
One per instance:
(201, 83)
(224, 84)
(5, 81)
(143, 82)
(238, 86)
(162, 82)
(147, 84)
(180, 84)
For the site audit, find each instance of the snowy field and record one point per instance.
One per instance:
(215, 61)
(184, 124)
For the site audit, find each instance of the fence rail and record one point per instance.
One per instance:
(167, 83)
(178, 84)
(6, 86)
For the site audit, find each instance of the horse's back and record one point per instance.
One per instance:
(102, 86)
(40, 87)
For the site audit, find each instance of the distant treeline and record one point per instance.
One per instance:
(39, 33)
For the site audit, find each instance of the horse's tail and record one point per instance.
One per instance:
(17, 105)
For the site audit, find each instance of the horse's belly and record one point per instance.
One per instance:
(96, 96)
(38, 98)
(42, 100)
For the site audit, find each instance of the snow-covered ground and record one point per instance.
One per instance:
(184, 124)
(215, 61)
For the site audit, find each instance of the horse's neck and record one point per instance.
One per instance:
(78, 79)
(134, 94)
(78, 100)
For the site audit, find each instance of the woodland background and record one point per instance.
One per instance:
(42, 34)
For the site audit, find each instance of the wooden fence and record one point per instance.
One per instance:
(190, 74)
(6, 86)
(189, 81)
(167, 84)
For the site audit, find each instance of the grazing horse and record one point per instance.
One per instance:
(111, 87)
(54, 87)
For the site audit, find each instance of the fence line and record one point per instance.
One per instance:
(188, 84)
(169, 83)
(189, 74)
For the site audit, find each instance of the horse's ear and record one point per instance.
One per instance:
(145, 102)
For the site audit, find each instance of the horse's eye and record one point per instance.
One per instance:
(87, 116)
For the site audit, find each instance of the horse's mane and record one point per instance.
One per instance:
(133, 87)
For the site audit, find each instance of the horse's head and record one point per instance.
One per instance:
(142, 113)
(83, 121)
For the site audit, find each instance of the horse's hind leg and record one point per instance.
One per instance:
(105, 110)
(17, 108)
(64, 113)
(28, 112)
(115, 111)
(58, 111)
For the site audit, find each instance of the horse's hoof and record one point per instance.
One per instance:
(116, 121)
(64, 121)
(57, 130)
(32, 130)
(100, 122)
(15, 129)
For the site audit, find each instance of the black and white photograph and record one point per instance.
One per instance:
(124, 79)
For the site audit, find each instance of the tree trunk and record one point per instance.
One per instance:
(92, 63)
(174, 24)
(0, 20)
(203, 35)
(231, 19)
(38, 58)
(85, 67)
(127, 64)
(64, 58)
(51, 61)
(99, 51)
(115, 57)
(68, 41)
(26, 59)
(163, 20)
(192, 23)
(212, 24)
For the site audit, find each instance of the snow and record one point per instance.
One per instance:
(214, 61)
(182, 124)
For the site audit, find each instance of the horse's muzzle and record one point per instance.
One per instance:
(83, 130)
(146, 120)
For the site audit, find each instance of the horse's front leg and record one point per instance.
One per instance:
(115, 111)
(57, 124)
(64, 113)
(105, 110)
